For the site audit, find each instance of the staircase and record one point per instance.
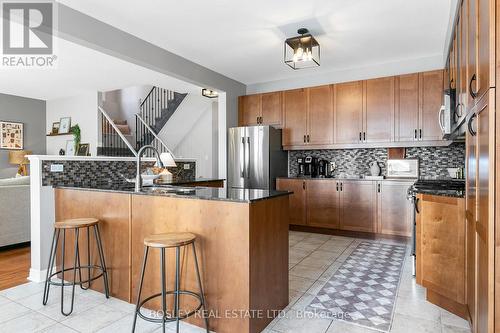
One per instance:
(155, 110)
(117, 138)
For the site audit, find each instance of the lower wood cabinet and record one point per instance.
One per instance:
(323, 203)
(365, 206)
(358, 201)
(440, 251)
(297, 199)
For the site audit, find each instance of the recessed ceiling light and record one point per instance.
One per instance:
(302, 51)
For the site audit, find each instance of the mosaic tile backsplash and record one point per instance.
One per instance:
(433, 160)
(88, 173)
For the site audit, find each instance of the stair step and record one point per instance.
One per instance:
(120, 122)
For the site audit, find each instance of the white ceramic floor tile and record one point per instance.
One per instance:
(300, 322)
(22, 291)
(406, 324)
(417, 308)
(306, 271)
(4, 300)
(448, 318)
(299, 283)
(454, 329)
(58, 328)
(94, 319)
(321, 263)
(339, 326)
(12, 310)
(53, 310)
(28, 323)
(125, 325)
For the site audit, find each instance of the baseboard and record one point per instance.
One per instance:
(37, 275)
(346, 233)
(15, 246)
(448, 304)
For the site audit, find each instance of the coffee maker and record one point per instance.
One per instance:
(302, 166)
(323, 168)
(311, 166)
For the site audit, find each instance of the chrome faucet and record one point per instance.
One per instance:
(138, 177)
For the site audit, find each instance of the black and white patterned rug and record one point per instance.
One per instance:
(363, 290)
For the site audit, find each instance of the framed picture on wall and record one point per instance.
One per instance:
(11, 135)
(64, 125)
(70, 148)
(55, 127)
(83, 149)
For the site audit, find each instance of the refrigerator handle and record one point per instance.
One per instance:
(242, 158)
(247, 162)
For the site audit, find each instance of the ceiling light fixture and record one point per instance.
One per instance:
(209, 93)
(302, 51)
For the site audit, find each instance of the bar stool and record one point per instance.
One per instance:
(76, 225)
(163, 242)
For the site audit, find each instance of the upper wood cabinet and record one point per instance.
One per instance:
(323, 203)
(379, 110)
(260, 109)
(382, 112)
(348, 110)
(249, 110)
(407, 109)
(295, 117)
(271, 109)
(358, 202)
(320, 115)
(297, 199)
(431, 96)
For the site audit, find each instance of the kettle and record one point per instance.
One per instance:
(374, 168)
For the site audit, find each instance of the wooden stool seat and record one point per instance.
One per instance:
(76, 223)
(172, 239)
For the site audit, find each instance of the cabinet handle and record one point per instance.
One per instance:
(364, 136)
(303, 185)
(337, 187)
(472, 93)
(308, 138)
(378, 188)
(420, 134)
(360, 136)
(415, 134)
(304, 138)
(341, 187)
(469, 125)
(261, 120)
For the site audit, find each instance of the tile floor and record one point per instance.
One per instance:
(313, 260)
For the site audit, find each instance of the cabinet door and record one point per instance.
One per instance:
(323, 206)
(394, 210)
(431, 94)
(297, 199)
(357, 200)
(486, 28)
(379, 110)
(485, 240)
(442, 241)
(294, 131)
(472, 45)
(348, 110)
(249, 109)
(462, 64)
(320, 115)
(271, 109)
(470, 217)
(407, 107)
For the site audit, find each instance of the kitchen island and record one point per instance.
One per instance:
(242, 246)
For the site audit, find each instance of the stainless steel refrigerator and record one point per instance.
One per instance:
(256, 157)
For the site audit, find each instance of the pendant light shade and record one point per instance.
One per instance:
(302, 51)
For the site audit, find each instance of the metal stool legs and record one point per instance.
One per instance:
(76, 267)
(177, 292)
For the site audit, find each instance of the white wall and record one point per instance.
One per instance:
(83, 111)
(192, 132)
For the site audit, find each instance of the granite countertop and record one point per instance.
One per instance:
(444, 193)
(349, 179)
(201, 193)
(185, 181)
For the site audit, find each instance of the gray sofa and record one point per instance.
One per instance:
(14, 211)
